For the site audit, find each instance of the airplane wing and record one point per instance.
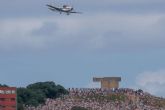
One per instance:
(76, 12)
(53, 8)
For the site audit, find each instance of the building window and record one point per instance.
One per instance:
(2, 92)
(13, 106)
(2, 99)
(8, 91)
(13, 92)
(12, 99)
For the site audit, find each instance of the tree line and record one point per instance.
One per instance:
(36, 93)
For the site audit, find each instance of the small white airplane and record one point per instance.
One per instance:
(65, 8)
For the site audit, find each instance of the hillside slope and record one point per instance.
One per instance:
(98, 99)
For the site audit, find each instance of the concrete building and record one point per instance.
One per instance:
(8, 98)
(108, 82)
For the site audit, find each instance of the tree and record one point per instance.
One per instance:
(49, 89)
(3, 85)
(35, 94)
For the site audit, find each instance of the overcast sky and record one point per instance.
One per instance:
(111, 38)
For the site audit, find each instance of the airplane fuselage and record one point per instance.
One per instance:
(66, 8)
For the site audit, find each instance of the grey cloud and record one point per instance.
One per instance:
(120, 6)
(104, 31)
(49, 29)
(152, 82)
(137, 41)
(22, 8)
(37, 8)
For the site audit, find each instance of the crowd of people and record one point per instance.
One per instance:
(104, 99)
